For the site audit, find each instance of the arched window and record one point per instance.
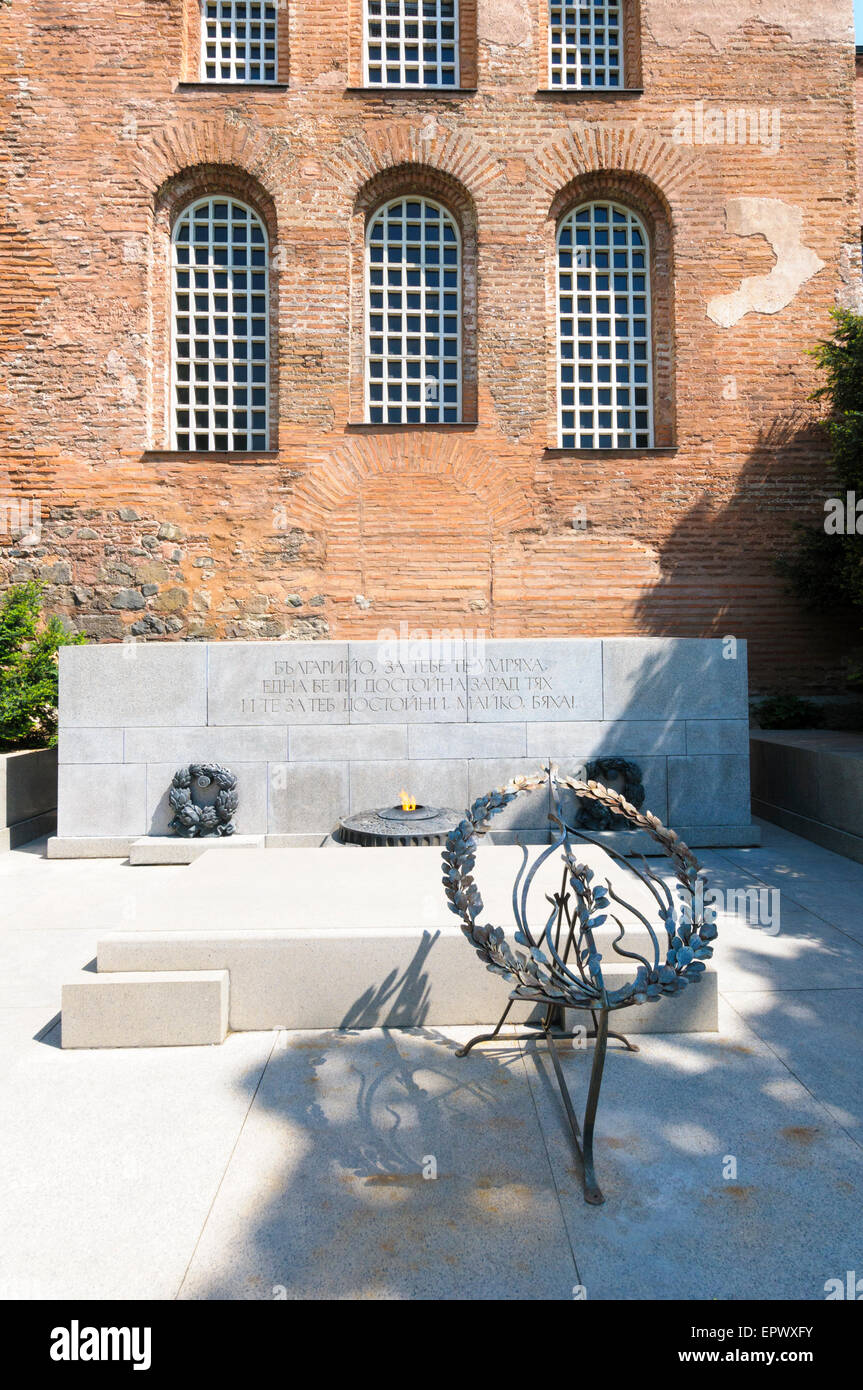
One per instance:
(220, 378)
(586, 42)
(412, 43)
(605, 380)
(413, 315)
(239, 40)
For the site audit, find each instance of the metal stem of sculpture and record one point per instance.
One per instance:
(546, 975)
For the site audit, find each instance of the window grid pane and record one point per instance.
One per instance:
(413, 315)
(411, 43)
(220, 319)
(585, 43)
(605, 373)
(238, 40)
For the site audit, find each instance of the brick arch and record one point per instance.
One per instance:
(400, 180)
(187, 145)
(204, 180)
(464, 158)
(624, 186)
(604, 149)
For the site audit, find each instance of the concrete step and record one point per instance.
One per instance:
(167, 1008)
(368, 978)
(90, 846)
(176, 849)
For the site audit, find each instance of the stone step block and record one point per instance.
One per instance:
(176, 849)
(166, 1008)
(369, 978)
(90, 846)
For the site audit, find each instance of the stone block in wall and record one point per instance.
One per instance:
(133, 685)
(106, 799)
(672, 678)
(708, 790)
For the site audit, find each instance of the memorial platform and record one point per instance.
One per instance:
(319, 938)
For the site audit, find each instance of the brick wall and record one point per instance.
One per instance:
(343, 528)
(859, 85)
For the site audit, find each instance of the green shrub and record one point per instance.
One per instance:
(788, 712)
(29, 668)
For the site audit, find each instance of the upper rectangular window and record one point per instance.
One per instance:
(239, 40)
(412, 43)
(586, 42)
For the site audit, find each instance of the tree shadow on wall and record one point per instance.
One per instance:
(719, 575)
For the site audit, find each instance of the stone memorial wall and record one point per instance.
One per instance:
(315, 731)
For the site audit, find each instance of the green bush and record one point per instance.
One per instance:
(788, 712)
(29, 668)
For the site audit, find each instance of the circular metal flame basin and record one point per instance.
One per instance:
(427, 825)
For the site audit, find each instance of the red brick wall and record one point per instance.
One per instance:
(343, 528)
(860, 127)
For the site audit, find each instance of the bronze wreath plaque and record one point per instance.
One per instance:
(190, 818)
(561, 965)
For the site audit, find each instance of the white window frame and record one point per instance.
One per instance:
(234, 53)
(424, 406)
(592, 293)
(402, 42)
(213, 359)
(564, 41)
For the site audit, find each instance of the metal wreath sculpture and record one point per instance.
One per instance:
(561, 967)
(190, 819)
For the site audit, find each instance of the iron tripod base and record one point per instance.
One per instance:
(551, 1031)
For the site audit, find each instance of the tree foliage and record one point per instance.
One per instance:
(826, 570)
(29, 645)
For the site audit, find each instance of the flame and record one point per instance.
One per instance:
(409, 803)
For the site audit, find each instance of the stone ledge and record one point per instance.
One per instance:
(310, 840)
(625, 842)
(24, 831)
(28, 785)
(368, 978)
(811, 782)
(175, 849)
(90, 846)
(632, 843)
(827, 836)
(163, 1009)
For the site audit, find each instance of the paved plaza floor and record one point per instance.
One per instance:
(378, 1165)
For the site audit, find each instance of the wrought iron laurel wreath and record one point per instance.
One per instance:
(561, 967)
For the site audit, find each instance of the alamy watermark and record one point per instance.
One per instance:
(850, 1288)
(21, 515)
(736, 125)
(758, 907)
(844, 515)
(445, 644)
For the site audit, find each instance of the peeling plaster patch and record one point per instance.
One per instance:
(504, 23)
(849, 295)
(782, 226)
(331, 79)
(717, 20)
